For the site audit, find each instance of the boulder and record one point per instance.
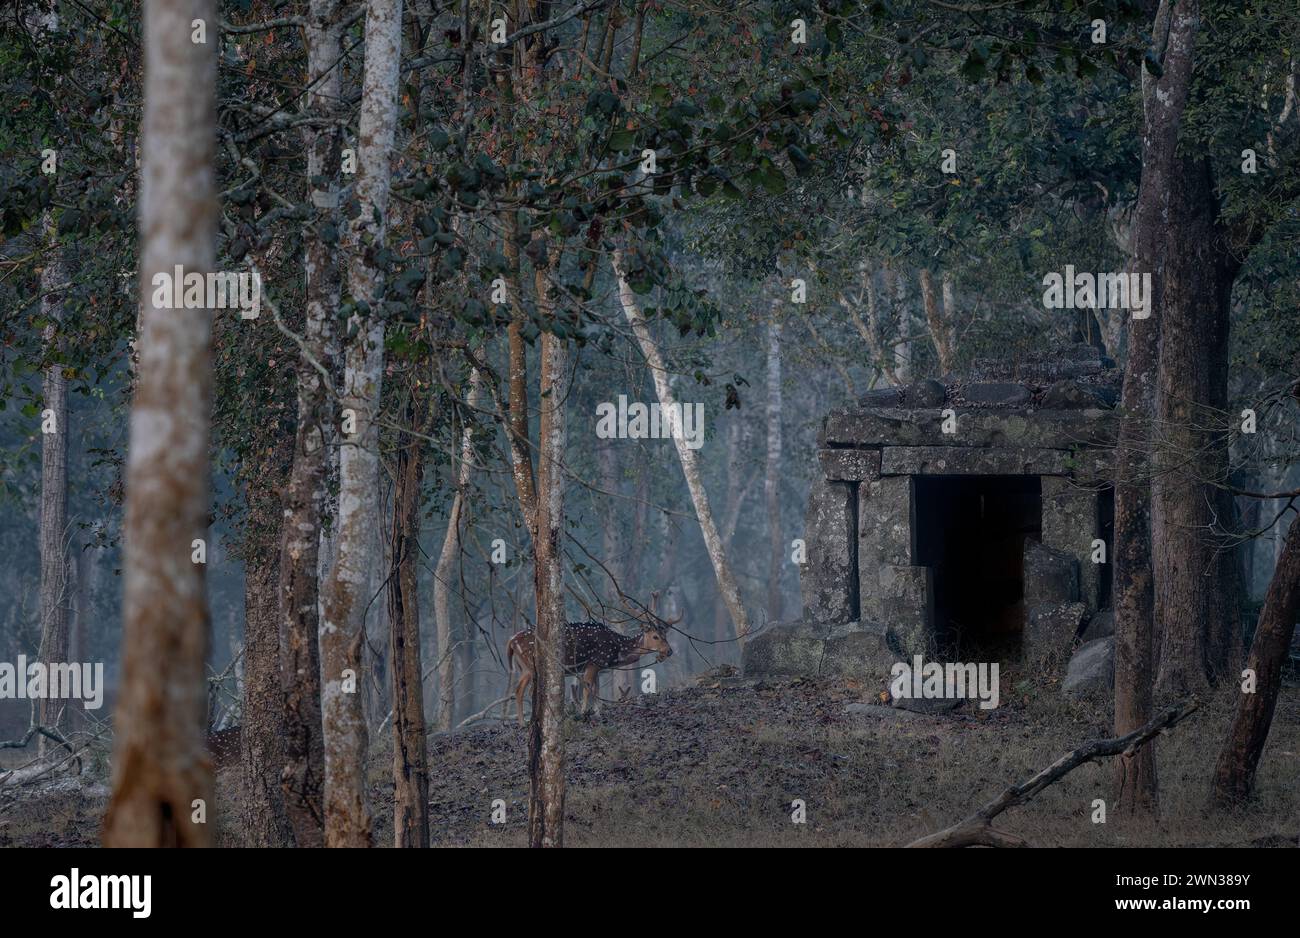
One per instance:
(1070, 395)
(1050, 630)
(861, 650)
(881, 397)
(788, 650)
(928, 393)
(1050, 576)
(997, 393)
(1101, 625)
(858, 650)
(1091, 669)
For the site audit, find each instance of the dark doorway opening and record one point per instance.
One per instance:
(971, 530)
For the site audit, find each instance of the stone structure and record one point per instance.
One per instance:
(956, 519)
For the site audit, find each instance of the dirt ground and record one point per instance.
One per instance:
(720, 763)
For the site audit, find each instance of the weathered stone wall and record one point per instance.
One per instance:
(865, 596)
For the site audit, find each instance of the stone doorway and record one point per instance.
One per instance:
(970, 532)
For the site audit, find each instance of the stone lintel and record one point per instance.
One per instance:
(1018, 428)
(970, 460)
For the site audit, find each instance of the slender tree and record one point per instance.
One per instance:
(346, 593)
(162, 779)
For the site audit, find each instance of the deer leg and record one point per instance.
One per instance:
(525, 676)
(590, 687)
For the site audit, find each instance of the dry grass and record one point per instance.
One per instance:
(720, 765)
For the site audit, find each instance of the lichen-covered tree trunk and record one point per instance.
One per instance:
(445, 571)
(55, 599)
(1234, 774)
(162, 775)
(1134, 588)
(410, 751)
(261, 737)
(902, 323)
(690, 467)
(772, 473)
(546, 731)
(346, 592)
(303, 776)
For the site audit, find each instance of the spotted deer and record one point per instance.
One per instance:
(589, 648)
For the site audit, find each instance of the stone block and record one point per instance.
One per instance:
(828, 580)
(970, 460)
(849, 465)
(906, 602)
(1050, 576)
(1071, 522)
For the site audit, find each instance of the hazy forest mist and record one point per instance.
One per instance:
(649, 423)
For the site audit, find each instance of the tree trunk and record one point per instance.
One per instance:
(447, 558)
(1134, 589)
(1234, 775)
(304, 752)
(55, 599)
(347, 817)
(410, 752)
(162, 777)
(903, 323)
(612, 545)
(1198, 616)
(690, 467)
(772, 474)
(934, 317)
(546, 731)
(261, 737)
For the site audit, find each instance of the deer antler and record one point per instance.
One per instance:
(654, 602)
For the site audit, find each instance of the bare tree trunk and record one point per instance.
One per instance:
(1134, 588)
(546, 732)
(303, 777)
(54, 490)
(1234, 775)
(162, 777)
(445, 570)
(737, 490)
(612, 546)
(772, 474)
(934, 317)
(690, 467)
(261, 736)
(410, 751)
(347, 817)
(903, 323)
(1198, 617)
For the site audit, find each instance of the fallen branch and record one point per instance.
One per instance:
(482, 713)
(37, 767)
(977, 830)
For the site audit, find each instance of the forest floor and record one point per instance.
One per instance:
(719, 764)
